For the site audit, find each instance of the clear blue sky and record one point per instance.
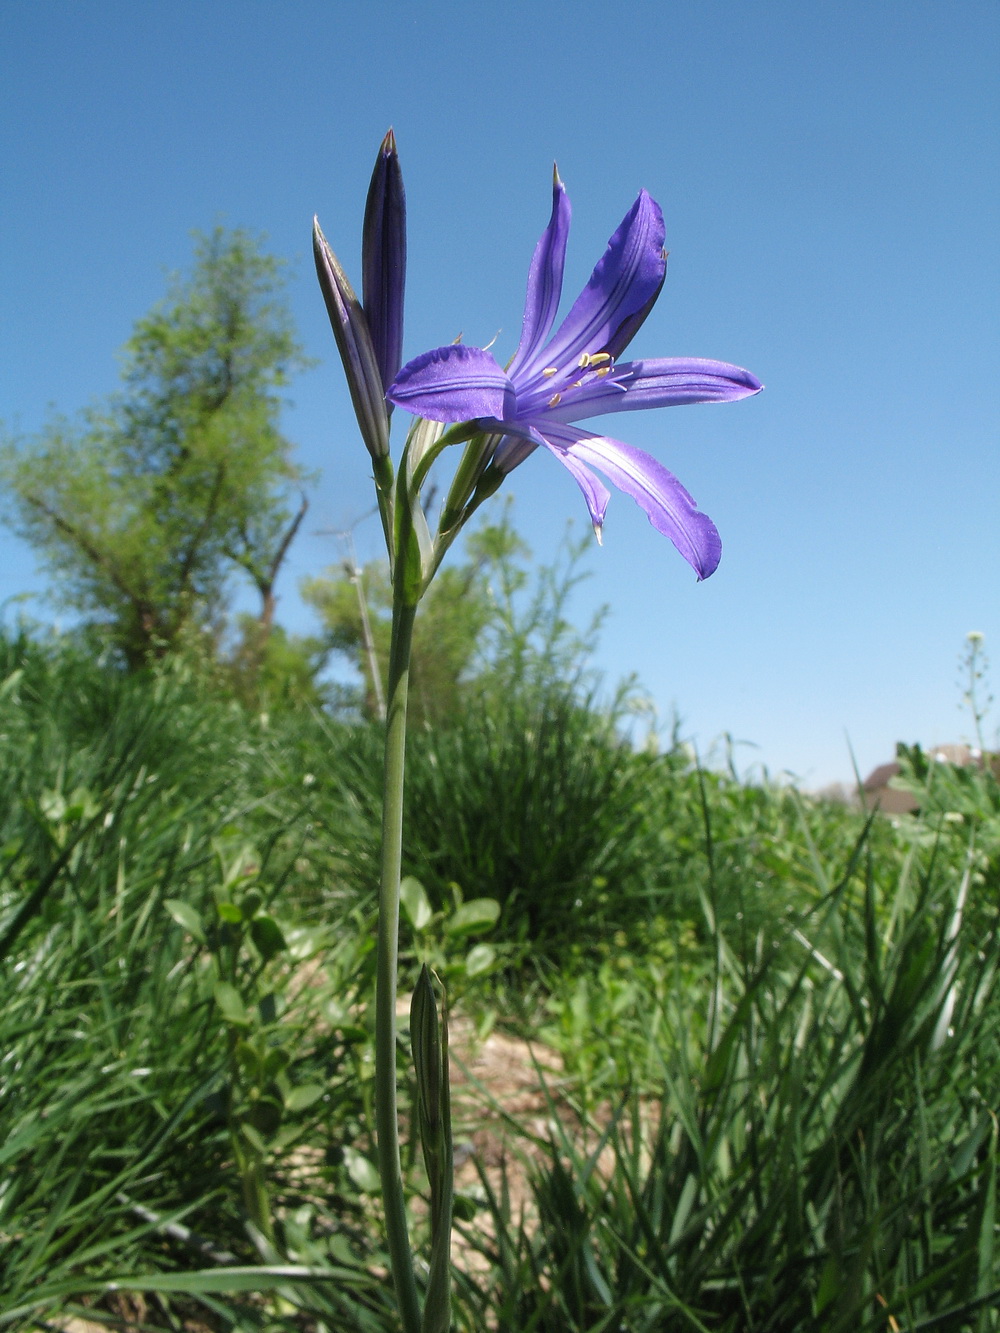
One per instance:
(830, 179)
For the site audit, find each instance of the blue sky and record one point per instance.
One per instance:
(830, 179)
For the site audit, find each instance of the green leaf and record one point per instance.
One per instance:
(52, 805)
(479, 959)
(254, 1139)
(362, 1171)
(415, 903)
(465, 1207)
(228, 999)
(186, 917)
(81, 805)
(11, 682)
(230, 913)
(266, 935)
(831, 1284)
(301, 1098)
(275, 1062)
(264, 1115)
(205, 1280)
(248, 1060)
(987, 1246)
(302, 942)
(473, 917)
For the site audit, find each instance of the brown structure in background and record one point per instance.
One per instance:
(877, 792)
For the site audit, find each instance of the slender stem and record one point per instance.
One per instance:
(386, 1121)
(470, 468)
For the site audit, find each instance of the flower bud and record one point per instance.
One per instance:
(383, 260)
(350, 328)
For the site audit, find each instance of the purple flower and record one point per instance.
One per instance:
(576, 374)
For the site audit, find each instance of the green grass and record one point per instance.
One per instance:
(804, 1148)
(777, 1018)
(119, 1085)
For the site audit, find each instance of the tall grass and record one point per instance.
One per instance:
(118, 1084)
(777, 1019)
(819, 1151)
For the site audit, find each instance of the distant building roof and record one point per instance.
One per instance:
(879, 777)
(892, 801)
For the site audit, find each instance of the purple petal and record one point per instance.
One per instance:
(350, 328)
(634, 385)
(594, 490)
(513, 450)
(629, 273)
(383, 260)
(453, 383)
(520, 440)
(544, 279)
(669, 507)
(631, 325)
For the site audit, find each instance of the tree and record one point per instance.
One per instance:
(486, 628)
(355, 605)
(144, 509)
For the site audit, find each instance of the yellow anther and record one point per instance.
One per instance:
(577, 384)
(584, 361)
(550, 371)
(604, 370)
(599, 358)
(555, 400)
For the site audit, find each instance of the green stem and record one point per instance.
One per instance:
(386, 1120)
(470, 468)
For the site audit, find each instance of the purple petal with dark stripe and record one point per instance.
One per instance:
(628, 274)
(453, 383)
(544, 279)
(668, 506)
(631, 325)
(635, 385)
(383, 260)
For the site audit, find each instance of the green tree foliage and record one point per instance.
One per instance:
(484, 625)
(144, 508)
(355, 604)
(277, 672)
